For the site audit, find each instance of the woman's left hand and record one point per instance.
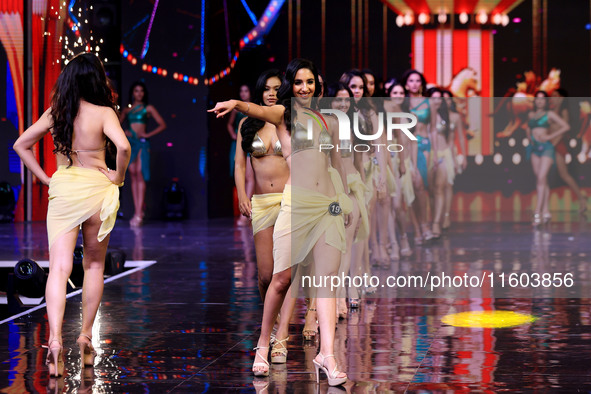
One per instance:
(113, 176)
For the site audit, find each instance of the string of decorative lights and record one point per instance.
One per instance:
(252, 38)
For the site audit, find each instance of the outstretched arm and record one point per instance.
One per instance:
(273, 114)
(24, 145)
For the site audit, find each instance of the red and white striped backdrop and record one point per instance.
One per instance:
(443, 54)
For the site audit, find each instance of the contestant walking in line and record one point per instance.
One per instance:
(456, 125)
(558, 104)
(137, 114)
(416, 85)
(358, 231)
(401, 166)
(83, 193)
(542, 151)
(305, 228)
(259, 139)
(443, 173)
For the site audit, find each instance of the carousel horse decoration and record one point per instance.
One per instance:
(519, 100)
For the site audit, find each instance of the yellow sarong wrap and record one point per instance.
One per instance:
(406, 183)
(390, 181)
(371, 175)
(448, 160)
(265, 209)
(358, 188)
(75, 194)
(303, 219)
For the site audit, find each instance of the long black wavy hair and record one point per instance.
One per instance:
(443, 109)
(252, 125)
(82, 78)
(145, 99)
(285, 92)
(408, 73)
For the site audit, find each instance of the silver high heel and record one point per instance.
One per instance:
(333, 379)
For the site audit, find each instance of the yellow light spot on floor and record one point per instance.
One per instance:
(487, 319)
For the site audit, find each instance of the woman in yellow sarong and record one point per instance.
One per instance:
(311, 223)
(83, 193)
(259, 139)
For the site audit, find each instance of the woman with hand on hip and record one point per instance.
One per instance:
(83, 192)
(137, 114)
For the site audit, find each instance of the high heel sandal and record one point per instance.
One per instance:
(446, 221)
(537, 220)
(54, 359)
(307, 333)
(405, 250)
(354, 303)
(427, 234)
(547, 217)
(394, 251)
(265, 363)
(279, 351)
(333, 379)
(436, 231)
(87, 352)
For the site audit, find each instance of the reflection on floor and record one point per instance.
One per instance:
(189, 322)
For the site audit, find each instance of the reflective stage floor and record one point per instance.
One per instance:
(188, 323)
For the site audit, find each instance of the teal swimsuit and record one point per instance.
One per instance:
(423, 116)
(139, 146)
(540, 148)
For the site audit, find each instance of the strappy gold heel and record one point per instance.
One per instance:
(87, 352)
(279, 351)
(54, 359)
(333, 379)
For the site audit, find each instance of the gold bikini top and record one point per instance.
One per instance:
(259, 149)
(300, 141)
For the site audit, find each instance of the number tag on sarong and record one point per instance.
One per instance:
(334, 209)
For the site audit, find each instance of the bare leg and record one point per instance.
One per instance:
(263, 245)
(330, 258)
(94, 266)
(569, 180)
(439, 197)
(61, 257)
(276, 292)
(543, 167)
(346, 258)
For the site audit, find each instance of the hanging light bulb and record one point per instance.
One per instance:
(442, 17)
(482, 18)
(423, 18)
(463, 18)
(399, 21)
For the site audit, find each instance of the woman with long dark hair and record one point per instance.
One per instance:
(542, 150)
(415, 84)
(441, 175)
(401, 166)
(83, 192)
(259, 139)
(358, 231)
(314, 209)
(137, 114)
(460, 161)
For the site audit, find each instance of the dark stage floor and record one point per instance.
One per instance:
(188, 323)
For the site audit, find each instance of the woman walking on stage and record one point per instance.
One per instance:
(259, 139)
(83, 193)
(139, 170)
(542, 151)
(416, 85)
(313, 211)
(558, 103)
